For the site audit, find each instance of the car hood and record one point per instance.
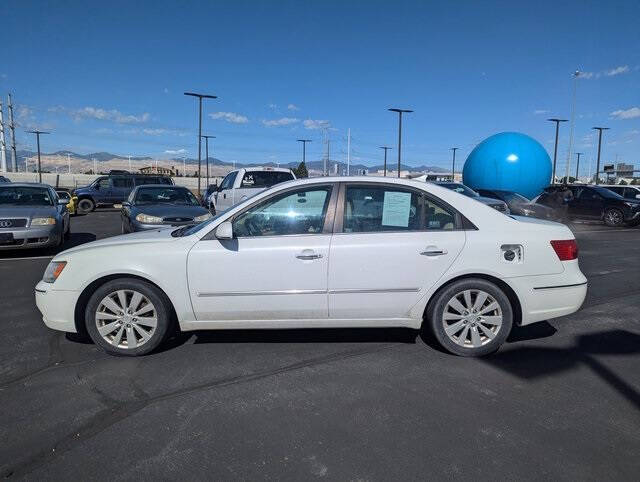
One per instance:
(27, 211)
(159, 235)
(170, 210)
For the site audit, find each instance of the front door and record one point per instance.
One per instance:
(275, 268)
(224, 196)
(393, 245)
(587, 204)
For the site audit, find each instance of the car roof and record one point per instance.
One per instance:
(265, 169)
(28, 184)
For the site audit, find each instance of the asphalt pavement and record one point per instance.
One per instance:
(560, 401)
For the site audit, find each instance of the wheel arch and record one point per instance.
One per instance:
(83, 299)
(508, 290)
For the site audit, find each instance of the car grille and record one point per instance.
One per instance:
(180, 219)
(13, 223)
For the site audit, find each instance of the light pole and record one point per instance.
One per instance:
(200, 97)
(599, 129)
(578, 154)
(385, 158)
(304, 149)
(453, 164)
(37, 133)
(555, 149)
(400, 112)
(576, 74)
(206, 147)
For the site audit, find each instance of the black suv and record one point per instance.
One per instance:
(520, 205)
(593, 202)
(113, 189)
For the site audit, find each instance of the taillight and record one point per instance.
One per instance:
(566, 249)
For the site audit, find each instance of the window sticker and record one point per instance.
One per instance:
(396, 209)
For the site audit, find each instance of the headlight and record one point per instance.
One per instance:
(53, 271)
(42, 221)
(204, 217)
(147, 219)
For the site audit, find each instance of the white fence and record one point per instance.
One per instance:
(75, 180)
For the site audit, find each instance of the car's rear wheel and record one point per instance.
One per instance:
(86, 205)
(128, 317)
(613, 217)
(471, 317)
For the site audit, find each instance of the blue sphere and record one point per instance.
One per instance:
(508, 161)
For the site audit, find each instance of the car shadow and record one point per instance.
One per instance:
(537, 362)
(75, 239)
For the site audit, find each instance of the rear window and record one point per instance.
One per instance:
(263, 179)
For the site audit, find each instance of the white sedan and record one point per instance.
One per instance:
(322, 253)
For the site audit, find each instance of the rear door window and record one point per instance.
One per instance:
(122, 182)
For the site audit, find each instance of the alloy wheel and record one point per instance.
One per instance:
(472, 318)
(126, 319)
(614, 217)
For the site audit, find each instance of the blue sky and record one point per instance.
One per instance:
(109, 76)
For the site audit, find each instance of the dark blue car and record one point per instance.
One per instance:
(153, 206)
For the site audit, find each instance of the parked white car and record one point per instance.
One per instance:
(241, 184)
(322, 252)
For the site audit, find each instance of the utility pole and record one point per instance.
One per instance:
(578, 154)
(206, 141)
(37, 133)
(453, 163)
(304, 149)
(69, 162)
(400, 112)
(599, 129)
(200, 97)
(555, 149)
(12, 130)
(576, 74)
(3, 145)
(326, 172)
(385, 158)
(95, 166)
(349, 151)
(129, 163)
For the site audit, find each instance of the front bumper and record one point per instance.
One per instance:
(57, 307)
(33, 237)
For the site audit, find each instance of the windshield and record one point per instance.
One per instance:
(514, 198)
(25, 196)
(460, 188)
(606, 193)
(166, 195)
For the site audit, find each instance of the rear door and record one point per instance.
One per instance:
(391, 243)
(121, 187)
(586, 204)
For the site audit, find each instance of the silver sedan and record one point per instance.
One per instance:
(31, 216)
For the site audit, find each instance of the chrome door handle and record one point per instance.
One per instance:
(434, 252)
(308, 254)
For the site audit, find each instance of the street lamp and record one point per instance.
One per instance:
(578, 154)
(385, 158)
(453, 163)
(200, 97)
(555, 149)
(304, 149)
(576, 75)
(599, 129)
(206, 143)
(37, 133)
(400, 112)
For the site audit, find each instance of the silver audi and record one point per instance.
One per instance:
(31, 216)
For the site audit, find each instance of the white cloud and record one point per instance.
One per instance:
(293, 107)
(587, 75)
(540, 111)
(24, 112)
(272, 106)
(316, 124)
(155, 132)
(4, 76)
(176, 151)
(623, 69)
(631, 113)
(110, 115)
(284, 121)
(230, 117)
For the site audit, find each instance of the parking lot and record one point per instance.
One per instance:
(560, 401)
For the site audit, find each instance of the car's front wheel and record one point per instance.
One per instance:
(613, 217)
(128, 317)
(86, 205)
(471, 317)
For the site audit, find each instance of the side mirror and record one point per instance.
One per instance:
(224, 231)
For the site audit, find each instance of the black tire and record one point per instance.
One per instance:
(613, 217)
(436, 311)
(163, 315)
(85, 206)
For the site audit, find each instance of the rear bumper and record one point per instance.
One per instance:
(57, 307)
(550, 296)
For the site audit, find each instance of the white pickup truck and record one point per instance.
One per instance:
(240, 184)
